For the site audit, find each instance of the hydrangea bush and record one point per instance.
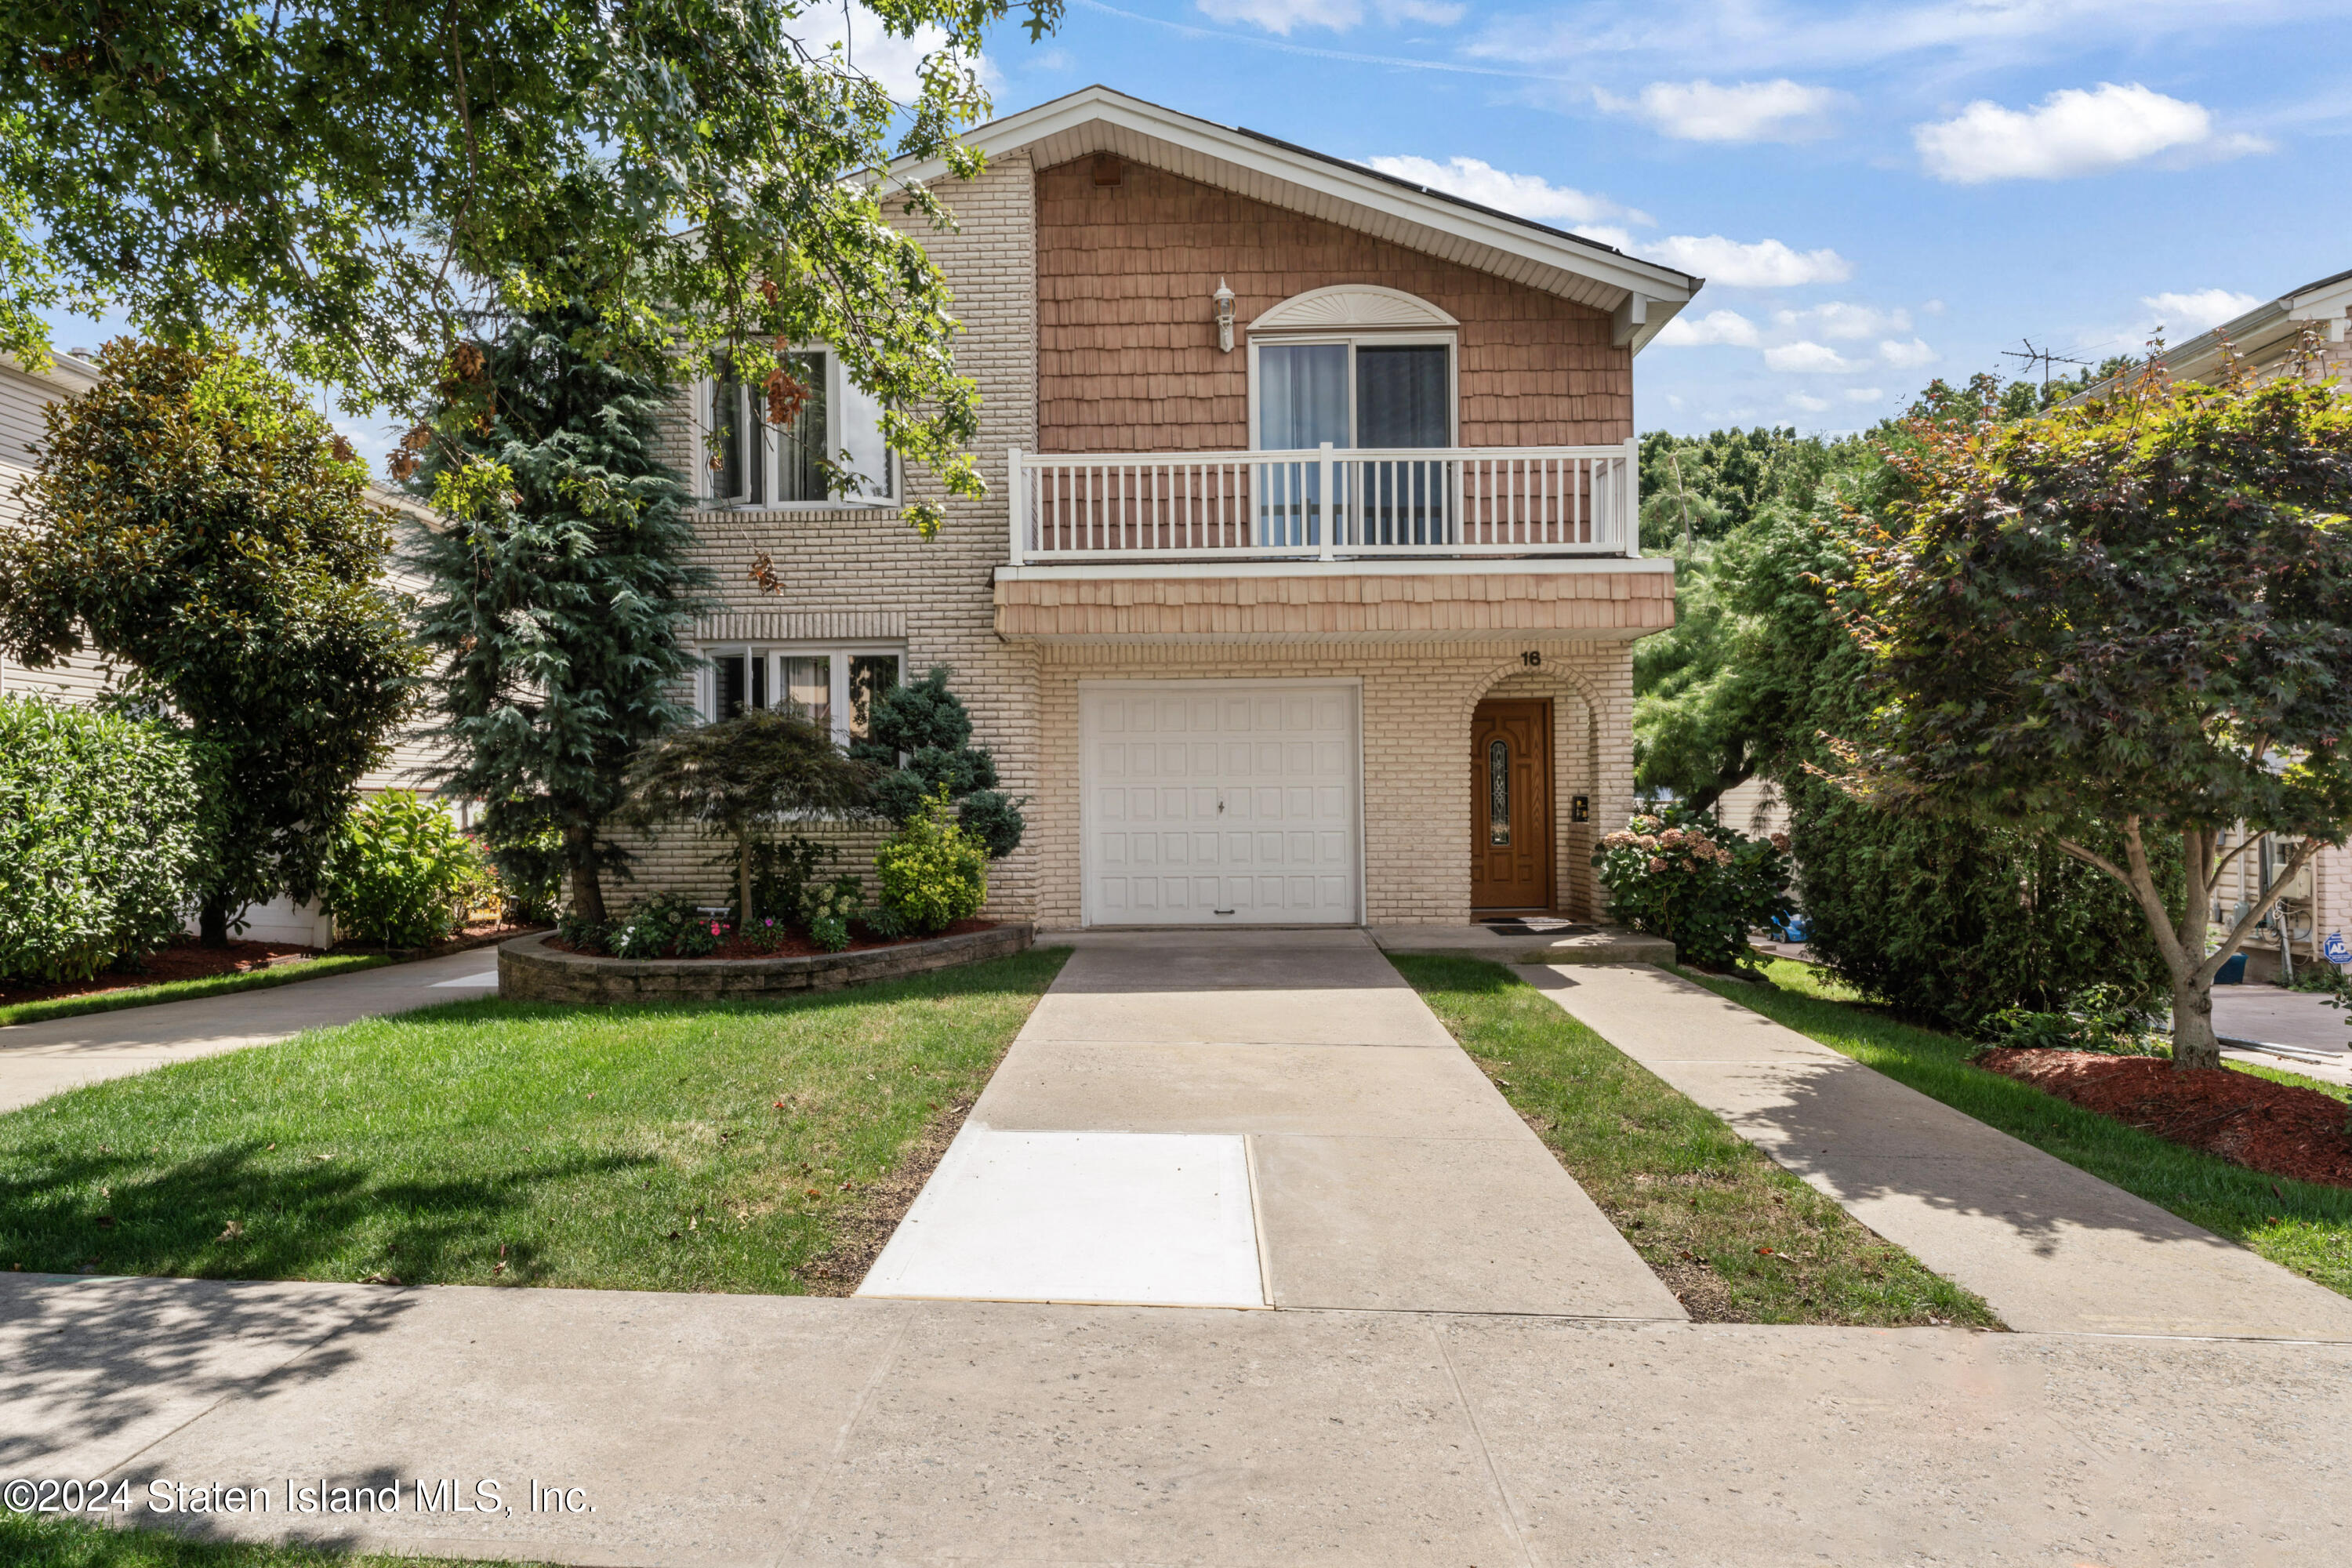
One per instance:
(1682, 875)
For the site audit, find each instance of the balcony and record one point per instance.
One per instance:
(1331, 505)
(1424, 544)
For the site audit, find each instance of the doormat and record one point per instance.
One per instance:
(1535, 925)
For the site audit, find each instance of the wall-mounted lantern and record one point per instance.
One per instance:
(1225, 298)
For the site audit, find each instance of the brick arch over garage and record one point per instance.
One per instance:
(1578, 713)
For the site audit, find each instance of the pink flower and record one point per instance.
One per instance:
(714, 928)
(1656, 866)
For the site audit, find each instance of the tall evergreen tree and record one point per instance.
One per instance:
(561, 588)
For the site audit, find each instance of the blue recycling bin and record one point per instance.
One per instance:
(2232, 973)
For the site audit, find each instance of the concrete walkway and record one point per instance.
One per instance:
(2051, 1248)
(37, 1060)
(1254, 1118)
(722, 1430)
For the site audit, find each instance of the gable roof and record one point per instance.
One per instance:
(2252, 335)
(1641, 296)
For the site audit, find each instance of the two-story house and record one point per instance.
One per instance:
(1306, 587)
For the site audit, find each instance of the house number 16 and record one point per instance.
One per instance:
(1531, 658)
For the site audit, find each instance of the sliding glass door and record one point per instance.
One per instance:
(1355, 395)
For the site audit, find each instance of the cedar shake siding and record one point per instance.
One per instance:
(1127, 338)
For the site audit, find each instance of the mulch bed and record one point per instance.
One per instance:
(2273, 1128)
(185, 960)
(796, 945)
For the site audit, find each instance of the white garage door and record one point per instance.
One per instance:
(1214, 803)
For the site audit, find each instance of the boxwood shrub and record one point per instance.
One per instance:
(100, 840)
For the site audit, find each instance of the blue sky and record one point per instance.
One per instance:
(1878, 193)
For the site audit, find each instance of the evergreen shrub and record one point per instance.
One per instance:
(933, 874)
(100, 839)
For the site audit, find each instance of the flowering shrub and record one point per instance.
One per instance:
(828, 908)
(400, 873)
(1681, 875)
(933, 874)
(665, 926)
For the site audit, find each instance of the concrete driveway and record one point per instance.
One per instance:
(1254, 1118)
(37, 1060)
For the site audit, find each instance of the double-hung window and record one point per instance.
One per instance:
(834, 686)
(754, 462)
(1374, 398)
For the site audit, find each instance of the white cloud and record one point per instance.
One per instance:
(1286, 16)
(1807, 357)
(1715, 327)
(1781, 111)
(1765, 264)
(1864, 394)
(1529, 196)
(2070, 132)
(2198, 311)
(1808, 401)
(1837, 319)
(1907, 356)
(897, 63)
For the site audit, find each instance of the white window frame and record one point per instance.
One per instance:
(1449, 340)
(835, 390)
(705, 679)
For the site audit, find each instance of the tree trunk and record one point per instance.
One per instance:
(2183, 944)
(744, 882)
(2193, 1042)
(587, 890)
(211, 923)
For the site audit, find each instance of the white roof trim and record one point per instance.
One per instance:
(1098, 119)
(1353, 305)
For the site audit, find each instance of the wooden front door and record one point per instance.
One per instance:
(1510, 815)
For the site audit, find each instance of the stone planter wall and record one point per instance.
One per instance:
(530, 971)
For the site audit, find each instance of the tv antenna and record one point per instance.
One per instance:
(2044, 357)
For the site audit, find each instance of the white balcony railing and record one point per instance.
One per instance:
(1327, 504)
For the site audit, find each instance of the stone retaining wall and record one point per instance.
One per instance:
(530, 971)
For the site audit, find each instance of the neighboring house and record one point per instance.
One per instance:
(2307, 332)
(84, 678)
(1307, 583)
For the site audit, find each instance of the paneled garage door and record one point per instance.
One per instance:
(1209, 803)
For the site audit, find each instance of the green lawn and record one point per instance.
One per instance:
(680, 1148)
(181, 990)
(35, 1542)
(1740, 1239)
(2302, 1225)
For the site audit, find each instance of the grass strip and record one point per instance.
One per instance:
(2301, 1225)
(33, 1542)
(182, 990)
(698, 1147)
(1736, 1237)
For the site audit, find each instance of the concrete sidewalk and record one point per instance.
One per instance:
(1254, 1118)
(37, 1060)
(726, 1430)
(2051, 1248)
